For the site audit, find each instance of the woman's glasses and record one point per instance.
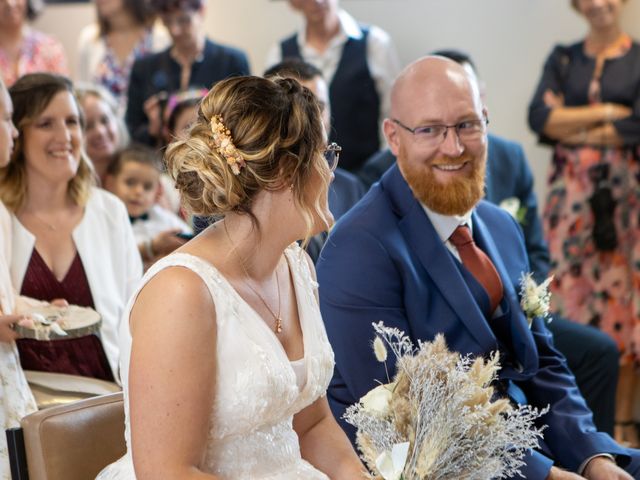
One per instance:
(332, 155)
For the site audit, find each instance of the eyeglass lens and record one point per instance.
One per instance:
(332, 155)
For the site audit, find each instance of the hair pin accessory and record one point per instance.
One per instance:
(224, 145)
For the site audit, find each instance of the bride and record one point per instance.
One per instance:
(229, 360)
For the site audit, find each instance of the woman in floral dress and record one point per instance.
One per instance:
(587, 105)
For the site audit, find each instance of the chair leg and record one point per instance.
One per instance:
(17, 454)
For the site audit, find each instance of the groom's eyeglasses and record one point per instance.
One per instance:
(433, 135)
(332, 155)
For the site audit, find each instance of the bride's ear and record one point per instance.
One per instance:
(285, 180)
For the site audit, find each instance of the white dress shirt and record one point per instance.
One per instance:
(445, 225)
(160, 220)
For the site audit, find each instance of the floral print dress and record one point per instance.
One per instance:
(38, 53)
(113, 74)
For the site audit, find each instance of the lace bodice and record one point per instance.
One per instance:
(257, 386)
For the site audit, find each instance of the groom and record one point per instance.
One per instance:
(423, 253)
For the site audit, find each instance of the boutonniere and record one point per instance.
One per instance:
(513, 207)
(534, 299)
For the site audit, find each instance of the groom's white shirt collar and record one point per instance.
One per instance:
(446, 224)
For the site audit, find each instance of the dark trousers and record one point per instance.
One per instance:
(593, 357)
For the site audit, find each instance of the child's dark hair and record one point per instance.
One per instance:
(294, 68)
(135, 153)
(180, 101)
(176, 112)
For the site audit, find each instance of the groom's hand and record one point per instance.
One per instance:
(603, 468)
(558, 474)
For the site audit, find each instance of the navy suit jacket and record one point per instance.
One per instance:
(159, 72)
(385, 261)
(344, 192)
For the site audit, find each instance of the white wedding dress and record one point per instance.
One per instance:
(258, 388)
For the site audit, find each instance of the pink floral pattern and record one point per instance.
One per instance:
(38, 53)
(590, 286)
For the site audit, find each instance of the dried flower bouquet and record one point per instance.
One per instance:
(438, 419)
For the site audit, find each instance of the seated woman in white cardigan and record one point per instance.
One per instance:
(71, 240)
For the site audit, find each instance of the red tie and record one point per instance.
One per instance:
(478, 263)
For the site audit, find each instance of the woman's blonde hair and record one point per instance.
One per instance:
(276, 126)
(31, 95)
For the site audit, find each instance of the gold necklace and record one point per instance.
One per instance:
(277, 328)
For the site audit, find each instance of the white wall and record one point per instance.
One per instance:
(508, 39)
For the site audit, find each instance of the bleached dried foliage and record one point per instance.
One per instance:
(443, 404)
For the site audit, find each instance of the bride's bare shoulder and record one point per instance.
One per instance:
(173, 295)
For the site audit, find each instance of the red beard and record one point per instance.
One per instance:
(456, 197)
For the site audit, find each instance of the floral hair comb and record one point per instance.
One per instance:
(224, 145)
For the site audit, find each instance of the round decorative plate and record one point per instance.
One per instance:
(56, 323)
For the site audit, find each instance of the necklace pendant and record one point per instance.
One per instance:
(278, 326)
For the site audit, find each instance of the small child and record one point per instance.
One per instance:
(134, 177)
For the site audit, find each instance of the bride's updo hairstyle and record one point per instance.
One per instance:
(276, 128)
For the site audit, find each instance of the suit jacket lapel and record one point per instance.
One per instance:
(436, 259)
(523, 343)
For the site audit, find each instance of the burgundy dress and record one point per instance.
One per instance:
(77, 356)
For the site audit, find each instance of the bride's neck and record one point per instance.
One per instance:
(253, 252)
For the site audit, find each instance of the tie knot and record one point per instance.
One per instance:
(461, 236)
